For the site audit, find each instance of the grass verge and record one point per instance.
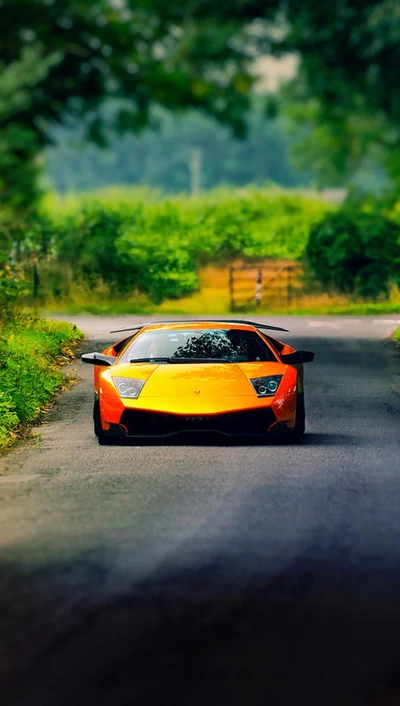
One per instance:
(31, 351)
(208, 305)
(397, 336)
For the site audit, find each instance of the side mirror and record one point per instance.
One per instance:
(98, 359)
(298, 357)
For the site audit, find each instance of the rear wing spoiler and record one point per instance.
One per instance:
(200, 321)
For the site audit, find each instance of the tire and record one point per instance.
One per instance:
(96, 417)
(98, 430)
(295, 435)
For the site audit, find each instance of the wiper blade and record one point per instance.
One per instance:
(153, 359)
(165, 359)
(201, 360)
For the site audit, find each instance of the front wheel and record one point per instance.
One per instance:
(98, 429)
(295, 435)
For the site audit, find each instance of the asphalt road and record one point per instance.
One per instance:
(211, 573)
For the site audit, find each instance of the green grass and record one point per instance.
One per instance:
(106, 308)
(99, 303)
(357, 309)
(30, 350)
(397, 336)
(120, 308)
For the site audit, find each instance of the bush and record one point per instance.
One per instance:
(87, 241)
(29, 371)
(161, 271)
(8, 416)
(12, 290)
(141, 243)
(356, 252)
(126, 242)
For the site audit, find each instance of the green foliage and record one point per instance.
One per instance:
(66, 57)
(8, 416)
(165, 53)
(29, 374)
(356, 251)
(160, 263)
(19, 142)
(87, 239)
(343, 149)
(349, 55)
(386, 205)
(12, 290)
(346, 96)
(155, 247)
(130, 244)
(397, 336)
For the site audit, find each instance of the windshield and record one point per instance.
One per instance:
(198, 345)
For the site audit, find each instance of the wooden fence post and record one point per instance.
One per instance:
(258, 294)
(231, 289)
(289, 291)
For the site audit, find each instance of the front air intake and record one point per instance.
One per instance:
(244, 423)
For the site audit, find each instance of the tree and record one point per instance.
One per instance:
(350, 53)
(346, 95)
(131, 49)
(201, 54)
(161, 158)
(346, 151)
(355, 251)
(19, 143)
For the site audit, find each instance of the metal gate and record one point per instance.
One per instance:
(269, 283)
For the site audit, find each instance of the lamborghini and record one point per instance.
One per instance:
(227, 377)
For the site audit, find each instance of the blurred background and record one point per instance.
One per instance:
(199, 156)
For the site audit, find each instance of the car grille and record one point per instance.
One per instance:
(249, 422)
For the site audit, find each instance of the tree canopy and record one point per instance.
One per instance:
(346, 95)
(197, 54)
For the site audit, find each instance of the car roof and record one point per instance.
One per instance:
(200, 323)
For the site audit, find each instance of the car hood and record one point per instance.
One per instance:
(195, 379)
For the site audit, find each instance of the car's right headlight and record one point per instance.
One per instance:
(128, 387)
(266, 386)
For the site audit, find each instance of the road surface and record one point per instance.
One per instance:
(211, 573)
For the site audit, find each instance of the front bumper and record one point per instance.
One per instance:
(162, 418)
(139, 423)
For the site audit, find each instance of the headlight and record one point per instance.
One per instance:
(268, 386)
(128, 387)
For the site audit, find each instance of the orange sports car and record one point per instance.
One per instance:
(229, 377)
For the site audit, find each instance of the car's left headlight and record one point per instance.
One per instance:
(266, 386)
(128, 387)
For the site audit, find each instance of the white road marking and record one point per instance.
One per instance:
(337, 325)
(325, 324)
